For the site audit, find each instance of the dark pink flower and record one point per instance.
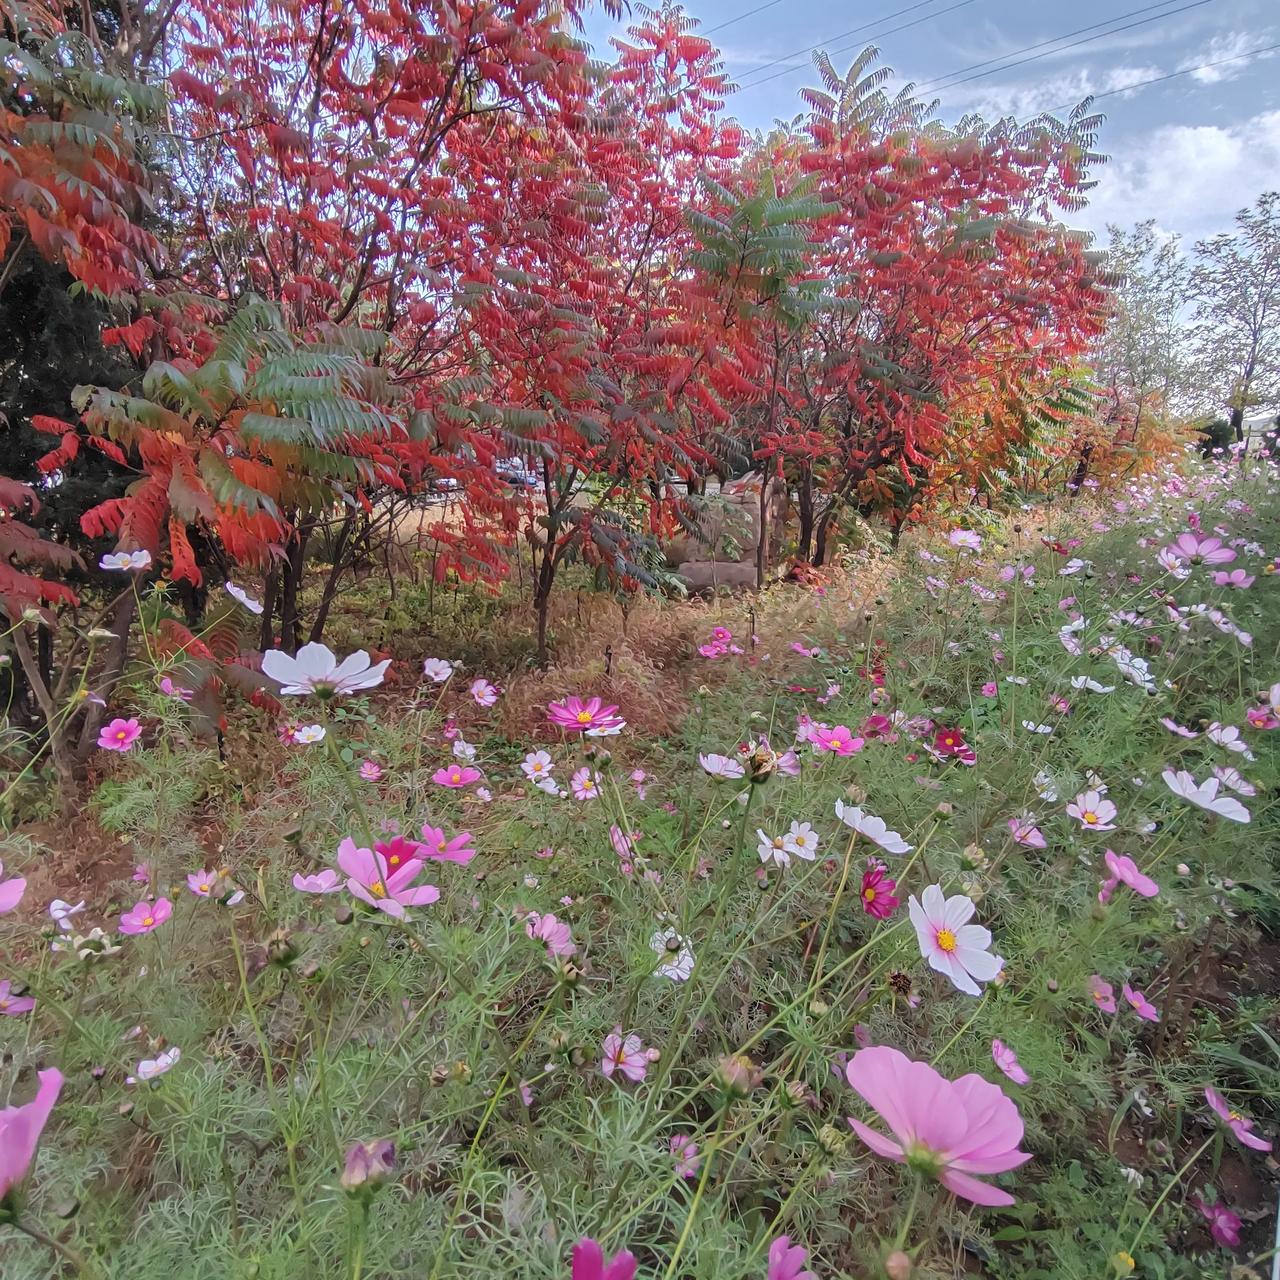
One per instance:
(456, 775)
(840, 741)
(589, 716)
(589, 1263)
(146, 916)
(877, 895)
(1242, 1128)
(786, 1261)
(21, 1127)
(1141, 1005)
(119, 735)
(1224, 1226)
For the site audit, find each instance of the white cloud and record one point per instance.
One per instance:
(1190, 178)
(1023, 98)
(1232, 45)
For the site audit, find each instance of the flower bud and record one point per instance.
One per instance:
(897, 1266)
(368, 1166)
(738, 1075)
(832, 1141)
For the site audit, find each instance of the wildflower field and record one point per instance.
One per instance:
(917, 922)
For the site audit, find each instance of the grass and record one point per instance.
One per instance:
(308, 1023)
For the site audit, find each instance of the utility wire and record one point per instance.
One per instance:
(1172, 75)
(728, 22)
(1013, 53)
(928, 17)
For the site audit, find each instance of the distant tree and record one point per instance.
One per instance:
(1236, 286)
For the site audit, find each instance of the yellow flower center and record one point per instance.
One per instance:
(837, 743)
(121, 734)
(1090, 818)
(946, 940)
(204, 888)
(148, 921)
(869, 894)
(378, 889)
(584, 717)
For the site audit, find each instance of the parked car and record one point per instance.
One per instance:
(516, 473)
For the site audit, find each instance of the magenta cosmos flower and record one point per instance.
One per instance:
(119, 735)
(786, 1261)
(1141, 1005)
(952, 1130)
(1224, 1226)
(370, 880)
(589, 716)
(146, 916)
(949, 943)
(1237, 579)
(1102, 994)
(840, 741)
(877, 896)
(1125, 871)
(435, 844)
(21, 1127)
(1234, 1121)
(316, 669)
(589, 1263)
(14, 1006)
(626, 1054)
(1191, 548)
(456, 775)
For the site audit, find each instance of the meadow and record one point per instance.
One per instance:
(916, 920)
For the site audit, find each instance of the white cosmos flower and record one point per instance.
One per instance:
(1088, 682)
(61, 912)
(1205, 795)
(309, 733)
(675, 955)
(463, 750)
(1174, 727)
(239, 593)
(772, 848)
(872, 828)
(126, 561)
(437, 670)
(150, 1068)
(1228, 776)
(317, 670)
(1229, 736)
(1032, 727)
(802, 840)
(722, 766)
(537, 766)
(1045, 786)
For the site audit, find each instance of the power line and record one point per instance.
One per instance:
(928, 17)
(1013, 53)
(1171, 75)
(1008, 66)
(728, 22)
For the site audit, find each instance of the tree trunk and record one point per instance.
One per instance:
(804, 508)
(820, 538)
(295, 563)
(335, 573)
(762, 533)
(1237, 422)
(266, 629)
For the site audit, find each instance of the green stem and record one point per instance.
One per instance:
(1173, 1182)
(708, 1158)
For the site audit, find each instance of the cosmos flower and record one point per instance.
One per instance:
(772, 848)
(949, 742)
(871, 828)
(1231, 778)
(316, 669)
(1125, 871)
(877, 896)
(435, 844)
(802, 840)
(454, 776)
(1093, 811)
(1237, 579)
(786, 1261)
(589, 1263)
(1141, 1005)
(306, 734)
(1224, 1226)
(126, 561)
(719, 766)
(12, 1006)
(11, 891)
(241, 595)
(60, 912)
(949, 943)
(484, 693)
(152, 1068)
(21, 1127)
(952, 1130)
(1191, 548)
(119, 735)
(556, 934)
(675, 955)
(964, 540)
(1228, 736)
(370, 880)
(537, 765)
(589, 716)
(146, 916)
(1007, 1061)
(584, 784)
(437, 670)
(684, 1151)
(326, 881)
(840, 741)
(370, 770)
(626, 1054)
(1205, 795)
(1025, 832)
(1174, 727)
(1239, 1126)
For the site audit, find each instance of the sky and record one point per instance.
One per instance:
(1188, 151)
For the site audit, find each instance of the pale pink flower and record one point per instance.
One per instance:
(11, 891)
(316, 669)
(964, 540)
(370, 770)
(840, 741)
(309, 733)
(589, 716)
(537, 766)
(722, 766)
(1093, 811)
(1205, 795)
(788, 764)
(555, 933)
(1125, 871)
(437, 670)
(1230, 777)
(21, 1127)
(872, 828)
(584, 784)
(1194, 549)
(1102, 994)
(954, 1130)
(14, 1006)
(120, 734)
(201, 882)
(326, 881)
(152, 1068)
(1228, 736)
(1141, 1005)
(435, 844)
(171, 690)
(484, 693)
(1007, 1061)
(1025, 832)
(685, 1153)
(949, 943)
(802, 840)
(1237, 579)
(1174, 727)
(589, 1263)
(370, 880)
(625, 1054)
(456, 775)
(990, 689)
(1242, 1128)
(786, 1261)
(146, 916)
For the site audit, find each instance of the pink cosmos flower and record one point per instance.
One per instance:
(990, 689)
(1007, 1061)
(840, 741)
(484, 693)
(316, 669)
(949, 943)
(584, 784)
(456, 775)
(684, 1151)
(1242, 1128)
(589, 1263)
(1232, 778)
(589, 716)
(1141, 1005)
(171, 690)
(1224, 1226)
(1093, 811)
(201, 882)
(11, 891)
(1261, 718)
(146, 916)
(949, 1129)
(1102, 994)
(436, 845)
(627, 1055)
(119, 735)
(786, 1261)
(949, 742)
(1174, 727)
(1237, 579)
(14, 1006)
(326, 881)
(964, 540)
(21, 1127)
(555, 933)
(370, 770)
(1025, 832)
(719, 766)
(370, 880)
(1193, 549)
(1125, 871)
(877, 896)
